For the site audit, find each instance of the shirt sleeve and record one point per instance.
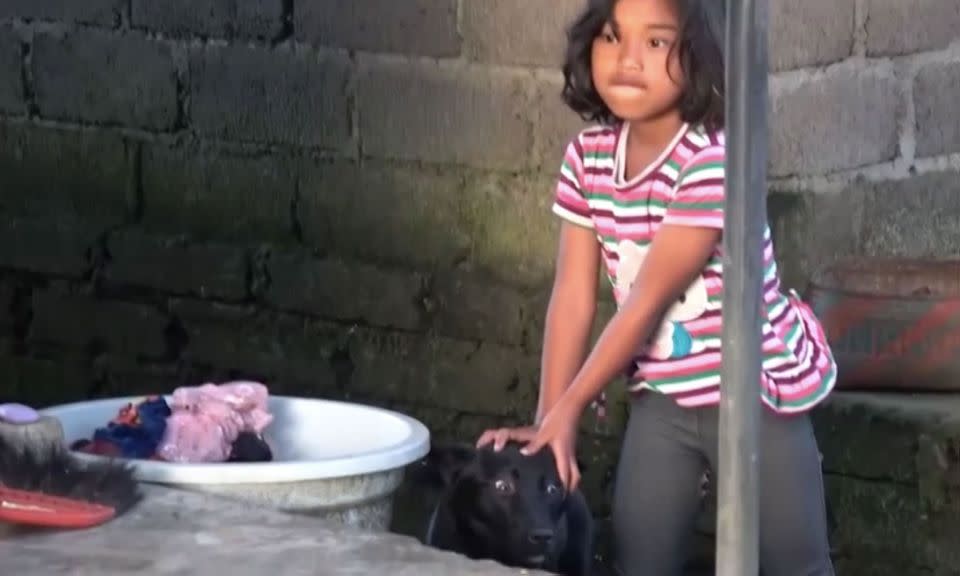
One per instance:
(570, 202)
(699, 198)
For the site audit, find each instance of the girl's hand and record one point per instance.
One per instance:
(500, 436)
(559, 430)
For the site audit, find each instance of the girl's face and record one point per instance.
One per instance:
(635, 68)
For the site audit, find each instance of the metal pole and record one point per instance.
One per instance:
(745, 218)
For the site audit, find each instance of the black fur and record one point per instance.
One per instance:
(54, 471)
(249, 447)
(510, 508)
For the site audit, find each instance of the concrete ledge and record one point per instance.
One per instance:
(175, 532)
(892, 473)
(877, 436)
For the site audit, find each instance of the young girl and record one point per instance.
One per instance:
(642, 195)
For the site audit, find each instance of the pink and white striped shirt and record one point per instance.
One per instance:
(685, 186)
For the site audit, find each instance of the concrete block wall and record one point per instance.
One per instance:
(862, 136)
(351, 199)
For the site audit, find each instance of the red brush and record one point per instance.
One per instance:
(45, 485)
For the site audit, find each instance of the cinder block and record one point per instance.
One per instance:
(255, 19)
(11, 72)
(212, 194)
(42, 382)
(270, 96)
(472, 307)
(531, 32)
(97, 12)
(913, 217)
(384, 212)
(804, 33)
(415, 27)
(513, 232)
(827, 122)
(7, 316)
(345, 290)
(288, 352)
(103, 77)
(812, 230)
(86, 173)
(432, 112)
(496, 224)
(935, 95)
(79, 321)
(53, 247)
(442, 372)
(896, 27)
(173, 266)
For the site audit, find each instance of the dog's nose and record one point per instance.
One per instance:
(541, 536)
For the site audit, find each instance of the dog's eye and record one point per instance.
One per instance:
(503, 486)
(553, 489)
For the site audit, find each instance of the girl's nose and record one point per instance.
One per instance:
(631, 56)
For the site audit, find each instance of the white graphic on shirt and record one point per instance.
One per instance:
(671, 339)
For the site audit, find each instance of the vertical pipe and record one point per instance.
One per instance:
(745, 220)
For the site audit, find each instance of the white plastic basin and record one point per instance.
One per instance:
(327, 455)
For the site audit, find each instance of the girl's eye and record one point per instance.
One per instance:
(659, 43)
(607, 35)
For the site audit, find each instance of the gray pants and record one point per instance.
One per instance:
(657, 497)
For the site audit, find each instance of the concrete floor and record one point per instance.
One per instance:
(180, 533)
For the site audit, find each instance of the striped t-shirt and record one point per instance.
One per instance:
(685, 186)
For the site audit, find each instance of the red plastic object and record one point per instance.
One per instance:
(38, 509)
(893, 324)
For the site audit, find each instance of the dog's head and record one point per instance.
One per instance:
(503, 505)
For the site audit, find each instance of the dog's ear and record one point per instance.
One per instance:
(443, 464)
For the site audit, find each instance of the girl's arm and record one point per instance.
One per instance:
(677, 255)
(691, 231)
(570, 314)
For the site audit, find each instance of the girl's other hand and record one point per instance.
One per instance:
(500, 436)
(559, 430)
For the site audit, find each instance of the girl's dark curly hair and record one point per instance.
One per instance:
(700, 46)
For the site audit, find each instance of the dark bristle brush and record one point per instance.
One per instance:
(43, 484)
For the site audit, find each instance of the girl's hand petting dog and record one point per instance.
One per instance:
(558, 429)
(501, 436)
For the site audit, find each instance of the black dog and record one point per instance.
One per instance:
(509, 508)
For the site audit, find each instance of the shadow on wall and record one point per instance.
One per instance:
(367, 227)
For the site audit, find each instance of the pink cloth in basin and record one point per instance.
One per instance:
(207, 419)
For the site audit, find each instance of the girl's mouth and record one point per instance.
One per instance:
(626, 82)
